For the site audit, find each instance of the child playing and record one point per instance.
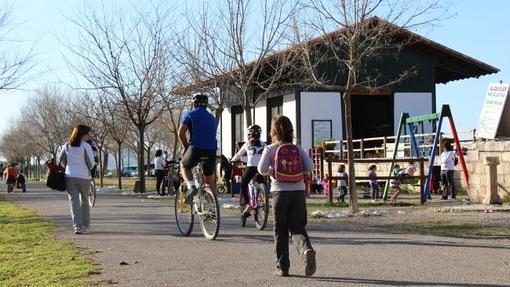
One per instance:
(374, 185)
(342, 183)
(402, 174)
(286, 163)
(325, 185)
(253, 149)
(395, 183)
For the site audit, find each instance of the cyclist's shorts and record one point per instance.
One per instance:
(193, 155)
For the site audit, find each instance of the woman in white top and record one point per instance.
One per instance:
(448, 161)
(253, 148)
(77, 156)
(159, 167)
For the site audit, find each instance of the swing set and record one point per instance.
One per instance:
(411, 123)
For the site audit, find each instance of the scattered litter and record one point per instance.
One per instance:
(124, 263)
(466, 201)
(488, 210)
(400, 212)
(229, 206)
(330, 214)
(372, 213)
(160, 196)
(136, 262)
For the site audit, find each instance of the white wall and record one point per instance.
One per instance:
(413, 103)
(320, 106)
(260, 117)
(226, 133)
(289, 109)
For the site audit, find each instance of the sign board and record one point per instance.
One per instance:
(489, 125)
(321, 131)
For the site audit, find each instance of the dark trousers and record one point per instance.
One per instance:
(159, 179)
(447, 181)
(375, 190)
(248, 174)
(289, 210)
(343, 192)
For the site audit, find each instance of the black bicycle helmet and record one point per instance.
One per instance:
(200, 100)
(254, 132)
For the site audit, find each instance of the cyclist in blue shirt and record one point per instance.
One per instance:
(202, 145)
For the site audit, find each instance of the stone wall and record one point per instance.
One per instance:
(477, 168)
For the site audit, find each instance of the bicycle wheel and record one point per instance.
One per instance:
(209, 213)
(262, 212)
(92, 193)
(183, 213)
(222, 189)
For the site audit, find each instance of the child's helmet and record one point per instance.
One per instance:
(254, 132)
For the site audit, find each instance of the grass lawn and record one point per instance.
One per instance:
(30, 254)
(451, 228)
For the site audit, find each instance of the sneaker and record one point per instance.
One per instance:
(191, 194)
(310, 264)
(78, 231)
(281, 273)
(247, 211)
(84, 230)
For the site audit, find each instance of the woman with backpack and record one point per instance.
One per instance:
(78, 158)
(286, 163)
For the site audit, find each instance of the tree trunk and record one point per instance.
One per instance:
(119, 164)
(353, 195)
(149, 160)
(217, 113)
(100, 160)
(176, 143)
(141, 157)
(247, 116)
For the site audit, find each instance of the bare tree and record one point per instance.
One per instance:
(14, 67)
(349, 37)
(126, 57)
(231, 46)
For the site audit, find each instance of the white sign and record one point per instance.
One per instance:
(490, 118)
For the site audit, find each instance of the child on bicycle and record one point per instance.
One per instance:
(286, 163)
(253, 148)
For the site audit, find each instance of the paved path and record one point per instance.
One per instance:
(143, 234)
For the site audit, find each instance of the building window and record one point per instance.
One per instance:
(274, 108)
(237, 127)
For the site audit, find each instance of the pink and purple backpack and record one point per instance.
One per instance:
(288, 165)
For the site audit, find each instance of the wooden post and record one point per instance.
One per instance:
(362, 148)
(422, 180)
(341, 149)
(330, 170)
(385, 145)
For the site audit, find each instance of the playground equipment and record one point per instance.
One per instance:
(405, 119)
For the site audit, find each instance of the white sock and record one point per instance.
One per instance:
(190, 184)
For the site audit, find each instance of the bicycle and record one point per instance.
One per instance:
(92, 193)
(259, 202)
(205, 206)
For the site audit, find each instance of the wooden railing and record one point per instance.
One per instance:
(362, 150)
(421, 177)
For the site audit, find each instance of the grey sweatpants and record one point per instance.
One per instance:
(78, 193)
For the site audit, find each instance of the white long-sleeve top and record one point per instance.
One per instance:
(254, 152)
(74, 160)
(159, 163)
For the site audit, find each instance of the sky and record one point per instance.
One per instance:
(478, 29)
